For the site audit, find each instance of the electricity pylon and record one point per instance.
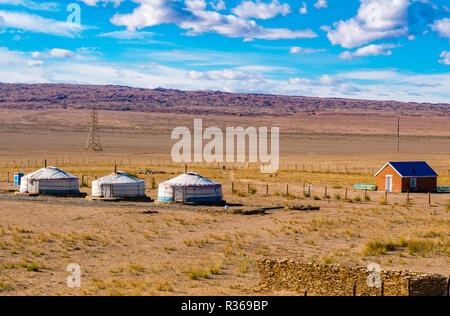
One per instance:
(93, 141)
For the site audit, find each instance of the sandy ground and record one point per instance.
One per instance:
(142, 248)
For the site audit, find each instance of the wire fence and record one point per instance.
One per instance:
(20, 164)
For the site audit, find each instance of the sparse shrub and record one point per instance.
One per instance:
(135, 268)
(215, 270)
(357, 199)
(382, 201)
(422, 248)
(164, 286)
(169, 248)
(337, 186)
(24, 231)
(447, 207)
(153, 184)
(32, 267)
(337, 197)
(197, 274)
(4, 287)
(239, 193)
(379, 248)
(245, 266)
(252, 191)
(306, 195)
(316, 198)
(367, 198)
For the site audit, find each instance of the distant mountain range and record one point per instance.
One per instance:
(120, 98)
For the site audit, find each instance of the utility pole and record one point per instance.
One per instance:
(398, 133)
(93, 141)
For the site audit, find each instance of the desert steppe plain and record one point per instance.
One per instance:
(129, 248)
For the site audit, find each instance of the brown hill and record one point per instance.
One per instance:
(120, 98)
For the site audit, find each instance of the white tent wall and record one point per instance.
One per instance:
(190, 187)
(59, 186)
(119, 190)
(50, 186)
(118, 185)
(50, 180)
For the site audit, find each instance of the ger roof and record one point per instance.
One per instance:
(118, 178)
(190, 179)
(49, 173)
(411, 169)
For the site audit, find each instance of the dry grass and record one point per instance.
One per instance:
(125, 250)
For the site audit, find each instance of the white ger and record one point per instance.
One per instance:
(50, 180)
(190, 188)
(118, 185)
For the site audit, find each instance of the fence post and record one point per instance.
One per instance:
(386, 196)
(429, 198)
(326, 192)
(346, 191)
(448, 286)
(248, 187)
(287, 189)
(354, 288)
(407, 197)
(382, 288)
(267, 189)
(232, 187)
(409, 287)
(8, 176)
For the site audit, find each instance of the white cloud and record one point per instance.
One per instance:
(227, 74)
(44, 6)
(301, 50)
(126, 34)
(61, 53)
(304, 8)
(148, 13)
(445, 58)
(33, 63)
(321, 4)
(35, 23)
(218, 5)
(261, 10)
(442, 27)
(376, 19)
(94, 2)
(369, 50)
(381, 85)
(196, 19)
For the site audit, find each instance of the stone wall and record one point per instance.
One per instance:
(336, 280)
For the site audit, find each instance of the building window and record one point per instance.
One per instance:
(413, 183)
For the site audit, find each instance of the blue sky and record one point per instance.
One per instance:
(371, 49)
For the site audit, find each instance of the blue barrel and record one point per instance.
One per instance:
(18, 178)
